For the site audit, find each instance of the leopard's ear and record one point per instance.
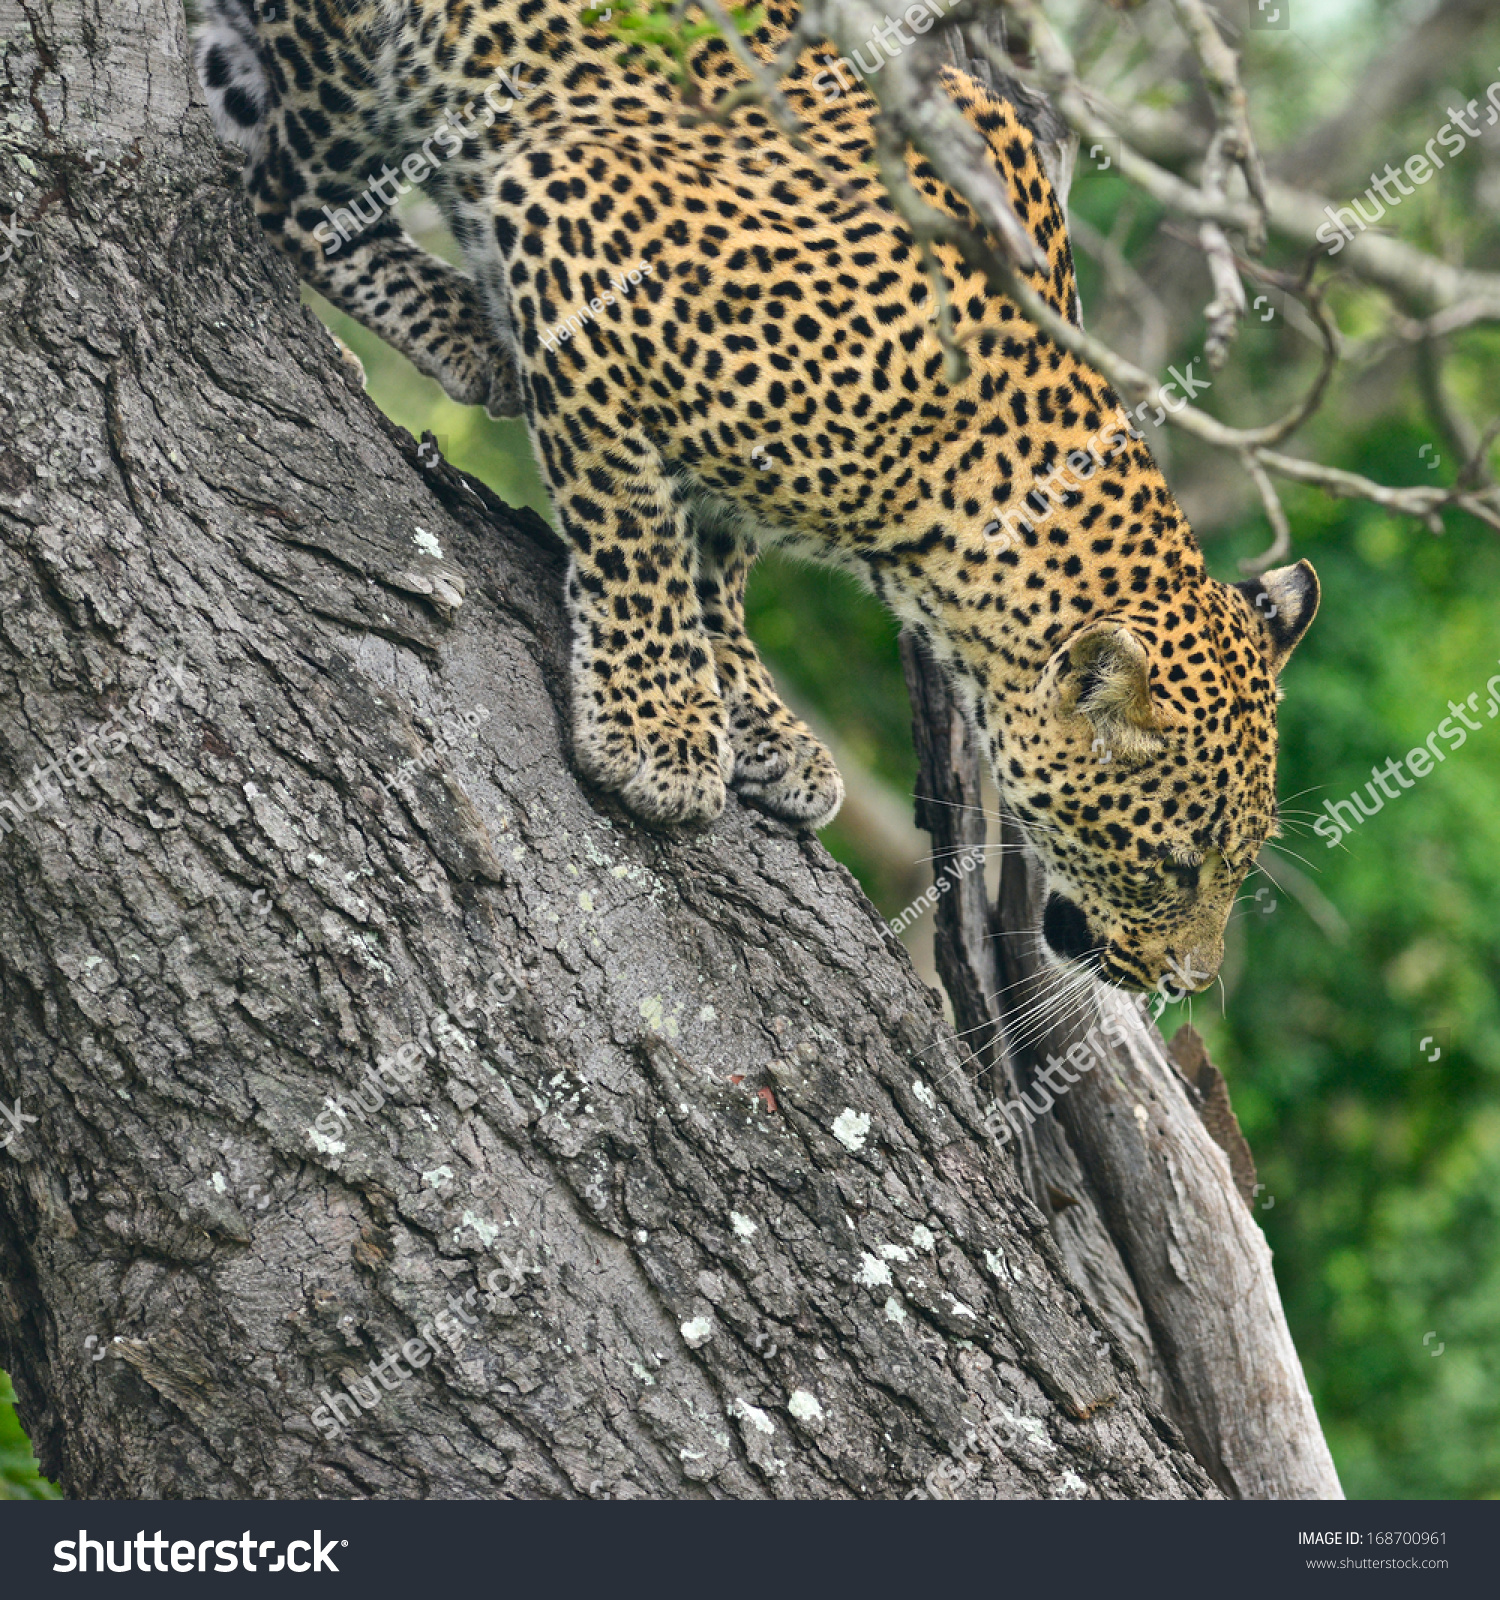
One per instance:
(1104, 675)
(1284, 600)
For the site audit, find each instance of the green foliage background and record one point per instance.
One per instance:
(19, 1478)
(1382, 1167)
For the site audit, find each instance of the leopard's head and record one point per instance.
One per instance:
(1142, 768)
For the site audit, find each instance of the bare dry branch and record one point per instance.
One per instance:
(1461, 435)
(1411, 276)
(1476, 469)
(1421, 502)
(1454, 320)
(1060, 80)
(1221, 73)
(1281, 545)
(909, 97)
(1227, 307)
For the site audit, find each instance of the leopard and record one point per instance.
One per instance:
(725, 338)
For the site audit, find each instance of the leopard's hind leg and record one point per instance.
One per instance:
(311, 154)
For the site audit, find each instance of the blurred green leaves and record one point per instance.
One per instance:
(1386, 1163)
(658, 29)
(19, 1477)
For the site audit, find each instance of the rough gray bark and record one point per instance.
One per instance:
(705, 1146)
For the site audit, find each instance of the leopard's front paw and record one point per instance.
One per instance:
(782, 767)
(669, 762)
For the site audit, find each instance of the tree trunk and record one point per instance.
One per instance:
(667, 1122)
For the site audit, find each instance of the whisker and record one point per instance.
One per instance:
(1282, 849)
(1041, 1005)
(1067, 1010)
(966, 1033)
(1037, 1005)
(968, 850)
(1032, 827)
(1260, 866)
(1279, 820)
(1023, 1031)
(954, 1071)
(953, 805)
(1000, 993)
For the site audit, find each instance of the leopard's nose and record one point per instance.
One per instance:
(1196, 970)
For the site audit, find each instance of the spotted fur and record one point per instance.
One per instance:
(721, 343)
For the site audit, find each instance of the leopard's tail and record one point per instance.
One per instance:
(227, 52)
